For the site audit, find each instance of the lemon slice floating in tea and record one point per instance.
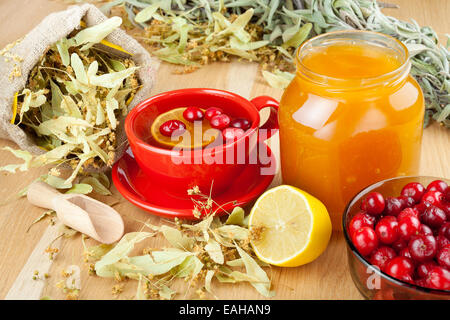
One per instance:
(289, 227)
(182, 141)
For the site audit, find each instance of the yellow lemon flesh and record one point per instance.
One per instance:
(183, 140)
(289, 227)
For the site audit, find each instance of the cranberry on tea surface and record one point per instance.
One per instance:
(400, 268)
(414, 190)
(220, 121)
(433, 197)
(373, 204)
(211, 112)
(361, 219)
(437, 185)
(365, 240)
(433, 217)
(387, 230)
(423, 268)
(408, 226)
(393, 206)
(241, 123)
(439, 278)
(422, 247)
(172, 128)
(193, 114)
(381, 256)
(231, 134)
(443, 257)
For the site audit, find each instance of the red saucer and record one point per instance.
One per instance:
(137, 188)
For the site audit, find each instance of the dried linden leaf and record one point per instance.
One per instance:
(80, 188)
(255, 271)
(92, 35)
(176, 238)
(236, 217)
(21, 154)
(97, 186)
(215, 251)
(120, 251)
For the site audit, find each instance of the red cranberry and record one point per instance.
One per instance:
(393, 207)
(422, 283)
(407, 202)
(365, 240)
(446, 195)
(381, 256)
(221, 121)
(241, 123)
(444, 230)
(421, 207)
(433, 216)
(423, 268)
(408, 212)
(414, 190)
(172, 128)
(425, 230)
(443, 257)
(442, 241)
(399, 245)
(387, 230)
(408, 226)
(439, 278)
(231, 134)
(211, 112)
(405, 253)
(422, 247)
(400, 268)
(433, 197)
(437, 185)
(373, 204)
(446, 208)
(361, 219)
(193, 114)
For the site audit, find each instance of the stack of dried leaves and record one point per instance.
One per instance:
(71, 102)
(196, 32)
(198, 254)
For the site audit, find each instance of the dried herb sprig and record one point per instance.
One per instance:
(71, 102)
(198, 253)
(195, 32)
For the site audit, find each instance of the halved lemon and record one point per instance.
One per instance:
(193, 138)
(289, 227)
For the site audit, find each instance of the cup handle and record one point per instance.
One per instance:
(271, 125)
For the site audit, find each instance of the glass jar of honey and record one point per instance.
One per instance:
(353, 115)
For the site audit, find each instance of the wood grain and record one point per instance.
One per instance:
(325, 278)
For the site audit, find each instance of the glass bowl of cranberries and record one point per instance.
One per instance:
(398, 239)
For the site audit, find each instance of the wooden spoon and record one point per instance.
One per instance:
(82, 213)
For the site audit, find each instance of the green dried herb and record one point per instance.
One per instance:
(196, 32)
(198, 253)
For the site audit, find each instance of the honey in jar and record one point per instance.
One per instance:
(352, 116)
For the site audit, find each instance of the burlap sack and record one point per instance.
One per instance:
(54, 27)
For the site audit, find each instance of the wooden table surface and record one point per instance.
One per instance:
(22, 252)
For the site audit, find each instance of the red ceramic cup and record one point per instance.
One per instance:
(179, 170)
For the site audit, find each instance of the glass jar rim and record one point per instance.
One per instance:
(364, 82)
